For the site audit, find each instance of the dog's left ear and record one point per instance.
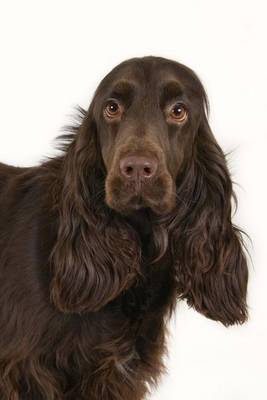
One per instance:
(211, 266)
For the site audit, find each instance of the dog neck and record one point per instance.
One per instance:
(141, 222)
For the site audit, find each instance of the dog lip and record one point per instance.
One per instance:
(128, 197)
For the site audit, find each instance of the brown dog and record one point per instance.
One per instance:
(99, 243)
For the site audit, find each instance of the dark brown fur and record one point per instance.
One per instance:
(87, 282)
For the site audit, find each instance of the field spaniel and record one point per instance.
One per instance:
(98, 243)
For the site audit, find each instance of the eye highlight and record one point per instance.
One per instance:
(178, 113)
(113, 109)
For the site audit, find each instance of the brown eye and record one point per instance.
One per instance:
(112, 109)
(179, 112)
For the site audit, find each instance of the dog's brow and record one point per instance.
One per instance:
(170, 90)
(122, 89)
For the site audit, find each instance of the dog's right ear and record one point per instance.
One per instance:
(95, 257)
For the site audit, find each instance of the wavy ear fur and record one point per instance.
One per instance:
(95, 256)
(210, 264)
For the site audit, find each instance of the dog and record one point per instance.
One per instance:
(98, 243)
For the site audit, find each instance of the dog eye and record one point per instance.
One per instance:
(179, 112)
(112, 109)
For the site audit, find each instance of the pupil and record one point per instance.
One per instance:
(177, 110)
(113, 107)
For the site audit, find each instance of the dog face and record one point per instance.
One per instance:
(147, 113)
(145, 144)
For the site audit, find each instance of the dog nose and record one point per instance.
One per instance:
(137, 167)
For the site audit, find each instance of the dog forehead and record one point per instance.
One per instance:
(144, 72)
(145, 79)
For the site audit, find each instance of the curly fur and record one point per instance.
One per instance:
(86, 291)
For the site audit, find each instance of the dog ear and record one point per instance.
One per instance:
(95, 256)
(211, 266)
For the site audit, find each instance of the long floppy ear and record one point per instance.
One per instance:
(210, 265)
(95, 256)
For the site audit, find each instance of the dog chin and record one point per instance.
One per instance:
(137, 204)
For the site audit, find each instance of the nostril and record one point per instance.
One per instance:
(149, 168)
(128, 170)
(147, 171)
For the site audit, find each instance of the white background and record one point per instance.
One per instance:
(54, 53)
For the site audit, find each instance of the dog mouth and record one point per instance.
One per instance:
(137, 202)
(158, 196)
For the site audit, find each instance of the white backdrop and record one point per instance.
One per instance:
(54, 53)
